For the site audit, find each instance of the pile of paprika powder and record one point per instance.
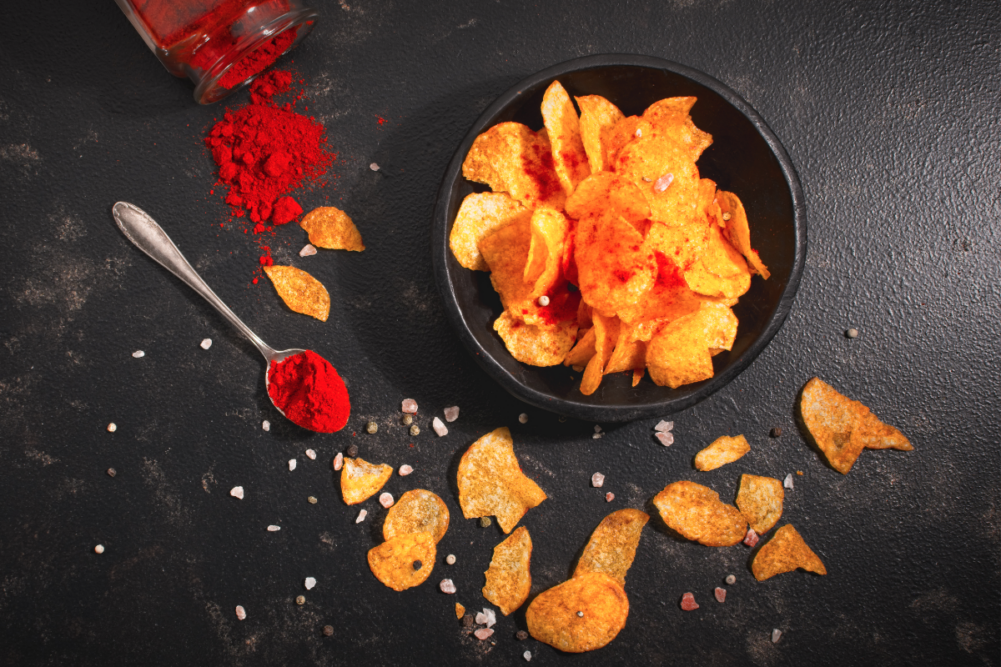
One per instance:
(307, 388)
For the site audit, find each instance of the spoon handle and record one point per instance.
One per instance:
(149, 237)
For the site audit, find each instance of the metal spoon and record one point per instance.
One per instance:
(149, 237)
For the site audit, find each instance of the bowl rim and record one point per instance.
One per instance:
(569, 407)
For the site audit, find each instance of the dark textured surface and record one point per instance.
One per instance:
(888, 114)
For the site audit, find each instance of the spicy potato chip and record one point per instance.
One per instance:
(404, 561)
(665, 173)
(545, 252)
(616, 270)
(720, 271)
(509, 578)
(697, 513)
(583, 350)
(614, 138)
(606, 334)
(563, 128)
(330, 227)
(720, 325)
(785, 552)
(505, 252)
(842, 428)
(605, 191)
(417, 511)
(738, 232)
(300, 291)
(724, 449)
(534, 344)
(361, 480)
(581, 614)
(511, 158)
(760, 501)
(670, 117)
(668, 299)
(596, 114)
(491, 483)
(612, 546)
(679, 354)
(481, 214)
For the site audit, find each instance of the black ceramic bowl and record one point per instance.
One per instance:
(745, 158)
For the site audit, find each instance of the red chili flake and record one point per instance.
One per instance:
(688, 602)
(751, 538)
(720, 594)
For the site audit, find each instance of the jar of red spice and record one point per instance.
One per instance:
(221, 45)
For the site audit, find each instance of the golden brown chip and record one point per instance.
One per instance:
(460, 611)
(300, 291)
(581, 614)
(760, 501)
(842, 428)
(612, 546)
(491, 482)
(679, 354)
(505, 252)
(509, 577)
(361, 480)
(721, 325)
(607, 192)
(670, 117)
(404, 561)
(330, 227)
(596, 114)
(698, 514)
(738, 231)
(536, 345)
(583, 350)
(614, 138)
(615, 269)
(628, 355)
(606, 333)
(549, 229)
(509, 157)
(784, 553)
(563, 128)
(724, 449)
(417, 511)
(669, 299)
(481, 214)
(720, 271)
(665, 172)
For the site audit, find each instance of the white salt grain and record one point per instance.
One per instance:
(311, 455)
(663, 183)
(527, 655)
(597, 480)
(609, 497)
(409, 406)
(112, 428)
(450, 559)
(307, 250)
(138, 354)
(543, 300)
(361, 516)
(597, 436)
(638, 133)
(483, 633)
(99, 549)
(523, 418)
(236, 492)
(666, 438)
(439, 426)
(338, 461)
(776, 635)
(452, 413)
(273, 528)
(386, 499)
(291, 464)
(373, 167)
(266, 425)
(787, 483)
(486, 617)
(241, 613)
(206, 343)
(663, 426)
(310, 582)
(405, 470)
(447, 586)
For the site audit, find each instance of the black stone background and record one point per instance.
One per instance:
(889, 112)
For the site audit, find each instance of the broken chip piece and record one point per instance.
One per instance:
(760, 501)
(563, 128)
(581, 614)
(785, 552)
(842, 428)
(460, 611)
(509, 577)
(697, 513)
(481, 214)
(361, 480)
(330, 227)
(724, 449)
(417, 511)
(612, 546)
(300, 291)
(404, 561)
(491, 483)
(596, 114)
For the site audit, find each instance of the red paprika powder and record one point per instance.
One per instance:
(310, 392)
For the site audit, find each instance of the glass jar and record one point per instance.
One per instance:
(221, 45)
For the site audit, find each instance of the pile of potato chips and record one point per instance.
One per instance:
(608, 251)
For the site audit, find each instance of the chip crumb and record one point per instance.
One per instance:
(300, 600)
(485, 521)
(776, 635)
(328, 631)
(446, 586)
(236, 492)
(731, 580)
(241, 613)
(597, 436)
(521, 636)
(527, 655)
(852, 333)
(99, 549)
(386, 499)
(609, 497)
(439, 427)
(663, 426)
(291, 464)
(311, 454)
(460, 611)
(523, 418)
(468, 622)
(309, 583)
(666, 438)
(206, 343)
(720, 594)
(111, 472)
(486, 617)
(312, 500)
(307, 250)
(338, 461)
(138, 354)
(112, 427)
(543, 300)
(799, 472)
(450, 559)
(452, 413)
(409, 406)
(273, 528)
(776, 432)
(787, 482)
(483, 633)
(407, 420)
(597, 480)
(688, 602)
(373, 167)
(361, 516)
(266, 425)
(405, 470)
(751, 539)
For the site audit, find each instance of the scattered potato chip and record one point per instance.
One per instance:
(404, 561)
(417, 511)
(738, 231)
(481, 214)
(612, 546)
(842, 428)
(697, 513)
(581, 614)
(563, 127)
(679, 354)
(536, 345)
(785, 552)
(509, 577)
(760, 501)
(615, 268)
(724, 449)
(596, 114)
(511, 158)
(361, 480)
(460, 611)
(300, 291)
(330, 227)
(491, 482)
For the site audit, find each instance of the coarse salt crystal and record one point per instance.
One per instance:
(483, 633)
(486, 617)
(386, 499)
(99, 549)
(688, 602)
(373, 167)
(138, 354)
(266, 425)
(663, 183)
(405, 470)
(236, 492)
(638, 133)
(720, 594)
(597, 480)
(666, 438)
(409, 406)
(112, 427)
(527, 655)
(523, 418)
(751, 538)
(439, 426)
(307, 250)
(452, 413)
(206, 343)
(291, 464)
(787, 483)
(543, 300)
(241, 613)
(776, 635)
(450, 559)
(361, 516)
(311, 455)
(447, 586)
(609, 497)
(273, 528)
(339, 461)
(310, 582)
(663, 426)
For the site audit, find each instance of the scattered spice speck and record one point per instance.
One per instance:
(609, 497)
(483, 633)
(405, 470)
(361, 516)
(451, 414)
(409, 406)
(111, 472)
(787, 482)
(543, 300)
(523, 418)
(312, 500)
(468, 622)
(720, 594)
(99, 549)
(373, 167)
(112, 427)
(407, 420)
(386, 499)
(371, 427)
(273, 528)
(307, 250)
(776, 432)
(311, 454)
(353, 451)
(291, 464)
(439, 427)
(527, 655)
(521, 636)
(731, 580)
(450, 559)
(446, 586)
(852, 333)
(300, 600)
(206, 343)
(241, 613)
(799, 472)
(236, 492)
(338, 461)
(328, 631)
(751, 538)
(309, 583)
(688, 602)
(597, 480)
(485, 521)
(266, 425)
(663, 426)
(776, 635)
(666, 438)
(138, 354)
(415, 430)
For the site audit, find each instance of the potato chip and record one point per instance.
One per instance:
(536, 345)
(720, 271)
(724, 449)
(670, 117)
(679, 353)
(404, 561)
(300, 291)
(511, 158)
(612, 546)
(506, 252)
(481, 214)
(720, 325)
(509, 578)
(581, 614)
(606, 334)
(563, 127)
(417, 511)
(697, 513)
(596, 114)
(361, 480)
(330, 227)
(669, 299)
(608, 192)
(628, 354)
(842, 428)
(760, 501)
(460, 611)
(614, 267)
(491, 482)
(738, 231)
(785, 552)
(583, 350)
(664, 171)
(614, 138)
(549, 229)
(683, 244)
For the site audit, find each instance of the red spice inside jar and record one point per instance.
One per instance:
(307, 388)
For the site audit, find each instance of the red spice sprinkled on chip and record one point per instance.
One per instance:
(688, 602)
(751, 538)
